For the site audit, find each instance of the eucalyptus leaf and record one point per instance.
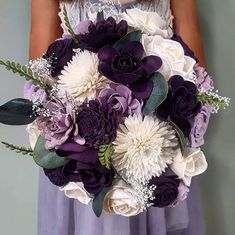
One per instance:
(100, 16)
(17, 112)
(130, 37)
(46, 158)
(98, 202)
(180, 136)
(158, 95)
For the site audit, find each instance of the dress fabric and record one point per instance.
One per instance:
(59, 215)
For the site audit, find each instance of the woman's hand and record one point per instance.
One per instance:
(45, 26)
(186, 25)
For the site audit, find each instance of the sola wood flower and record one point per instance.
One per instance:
(143, 148)
(81, 78)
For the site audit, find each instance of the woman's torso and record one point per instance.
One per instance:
(87, 9)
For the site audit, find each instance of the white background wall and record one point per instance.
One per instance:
(18, 174)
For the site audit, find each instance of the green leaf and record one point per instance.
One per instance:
(18, 149)
(100, 16)
(98, 202)
(69, 27)
(105, 153)
(46, 158)
(25, 72)
(17, 112)
(180, 136)
(158, 95)
(130, 37)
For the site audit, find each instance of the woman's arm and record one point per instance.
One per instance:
(186, 25)
(45, 26)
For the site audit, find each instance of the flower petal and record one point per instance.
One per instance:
(142, 88)
(135, 49)
(151, 64)
(106, 54)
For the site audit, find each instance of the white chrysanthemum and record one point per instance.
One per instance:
(143, 148)
(81, 78)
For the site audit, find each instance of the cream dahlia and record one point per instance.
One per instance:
(81, 79)
(143, 148)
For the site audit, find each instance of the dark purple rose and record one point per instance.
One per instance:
(181, 104)
(80, 153)
(59, 53)
(95, 177)
(187, 50)
(103, 33)
(199, 126)
(166, 191)
(56, 176)
(128, 67)
(85, 166)
(97, 123)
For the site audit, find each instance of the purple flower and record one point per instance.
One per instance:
(85, 166)
(120, 98)
(181, 104)
(97, 123)
(59, 53)
(105, 32)
(187, 50)
(56, 176)
(128, 67)
(182, 195)
(59, 125)
(199, 127)
(34, 93)
(204, 81)
(166, 190)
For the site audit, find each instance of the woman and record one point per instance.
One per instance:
(59, 215)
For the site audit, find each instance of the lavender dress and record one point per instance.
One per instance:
(58, 215)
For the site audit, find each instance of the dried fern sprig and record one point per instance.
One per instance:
(18, 149)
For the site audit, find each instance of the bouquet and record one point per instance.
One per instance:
(116, 113)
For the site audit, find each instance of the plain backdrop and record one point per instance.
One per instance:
(18, 174)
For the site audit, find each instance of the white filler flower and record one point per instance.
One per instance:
(143, 148)
(81, 79)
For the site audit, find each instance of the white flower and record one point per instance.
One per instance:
(193, 163)
(150, 23)
(143, 148)
(81, 79)
(121, 200)
(77, 191)
(34, 133)
(172, 55)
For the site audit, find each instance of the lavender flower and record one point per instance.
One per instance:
(183, 191)
(58, 124)
(34, 93)
(199, 127)
(120, 98)
(204, 81)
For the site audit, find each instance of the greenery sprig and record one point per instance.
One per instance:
(25, 72)
(105, 153)
(18, 149)
(213, 99)
(69, 27)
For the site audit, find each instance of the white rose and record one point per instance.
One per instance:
(34, 133)
(150, 23)
(191, 164)
(77, 191)
(120, 200)
(172, 55)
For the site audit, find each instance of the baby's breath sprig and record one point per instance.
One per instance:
(25, 72)
(213, 99)
(18, 149)
(69, 27)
